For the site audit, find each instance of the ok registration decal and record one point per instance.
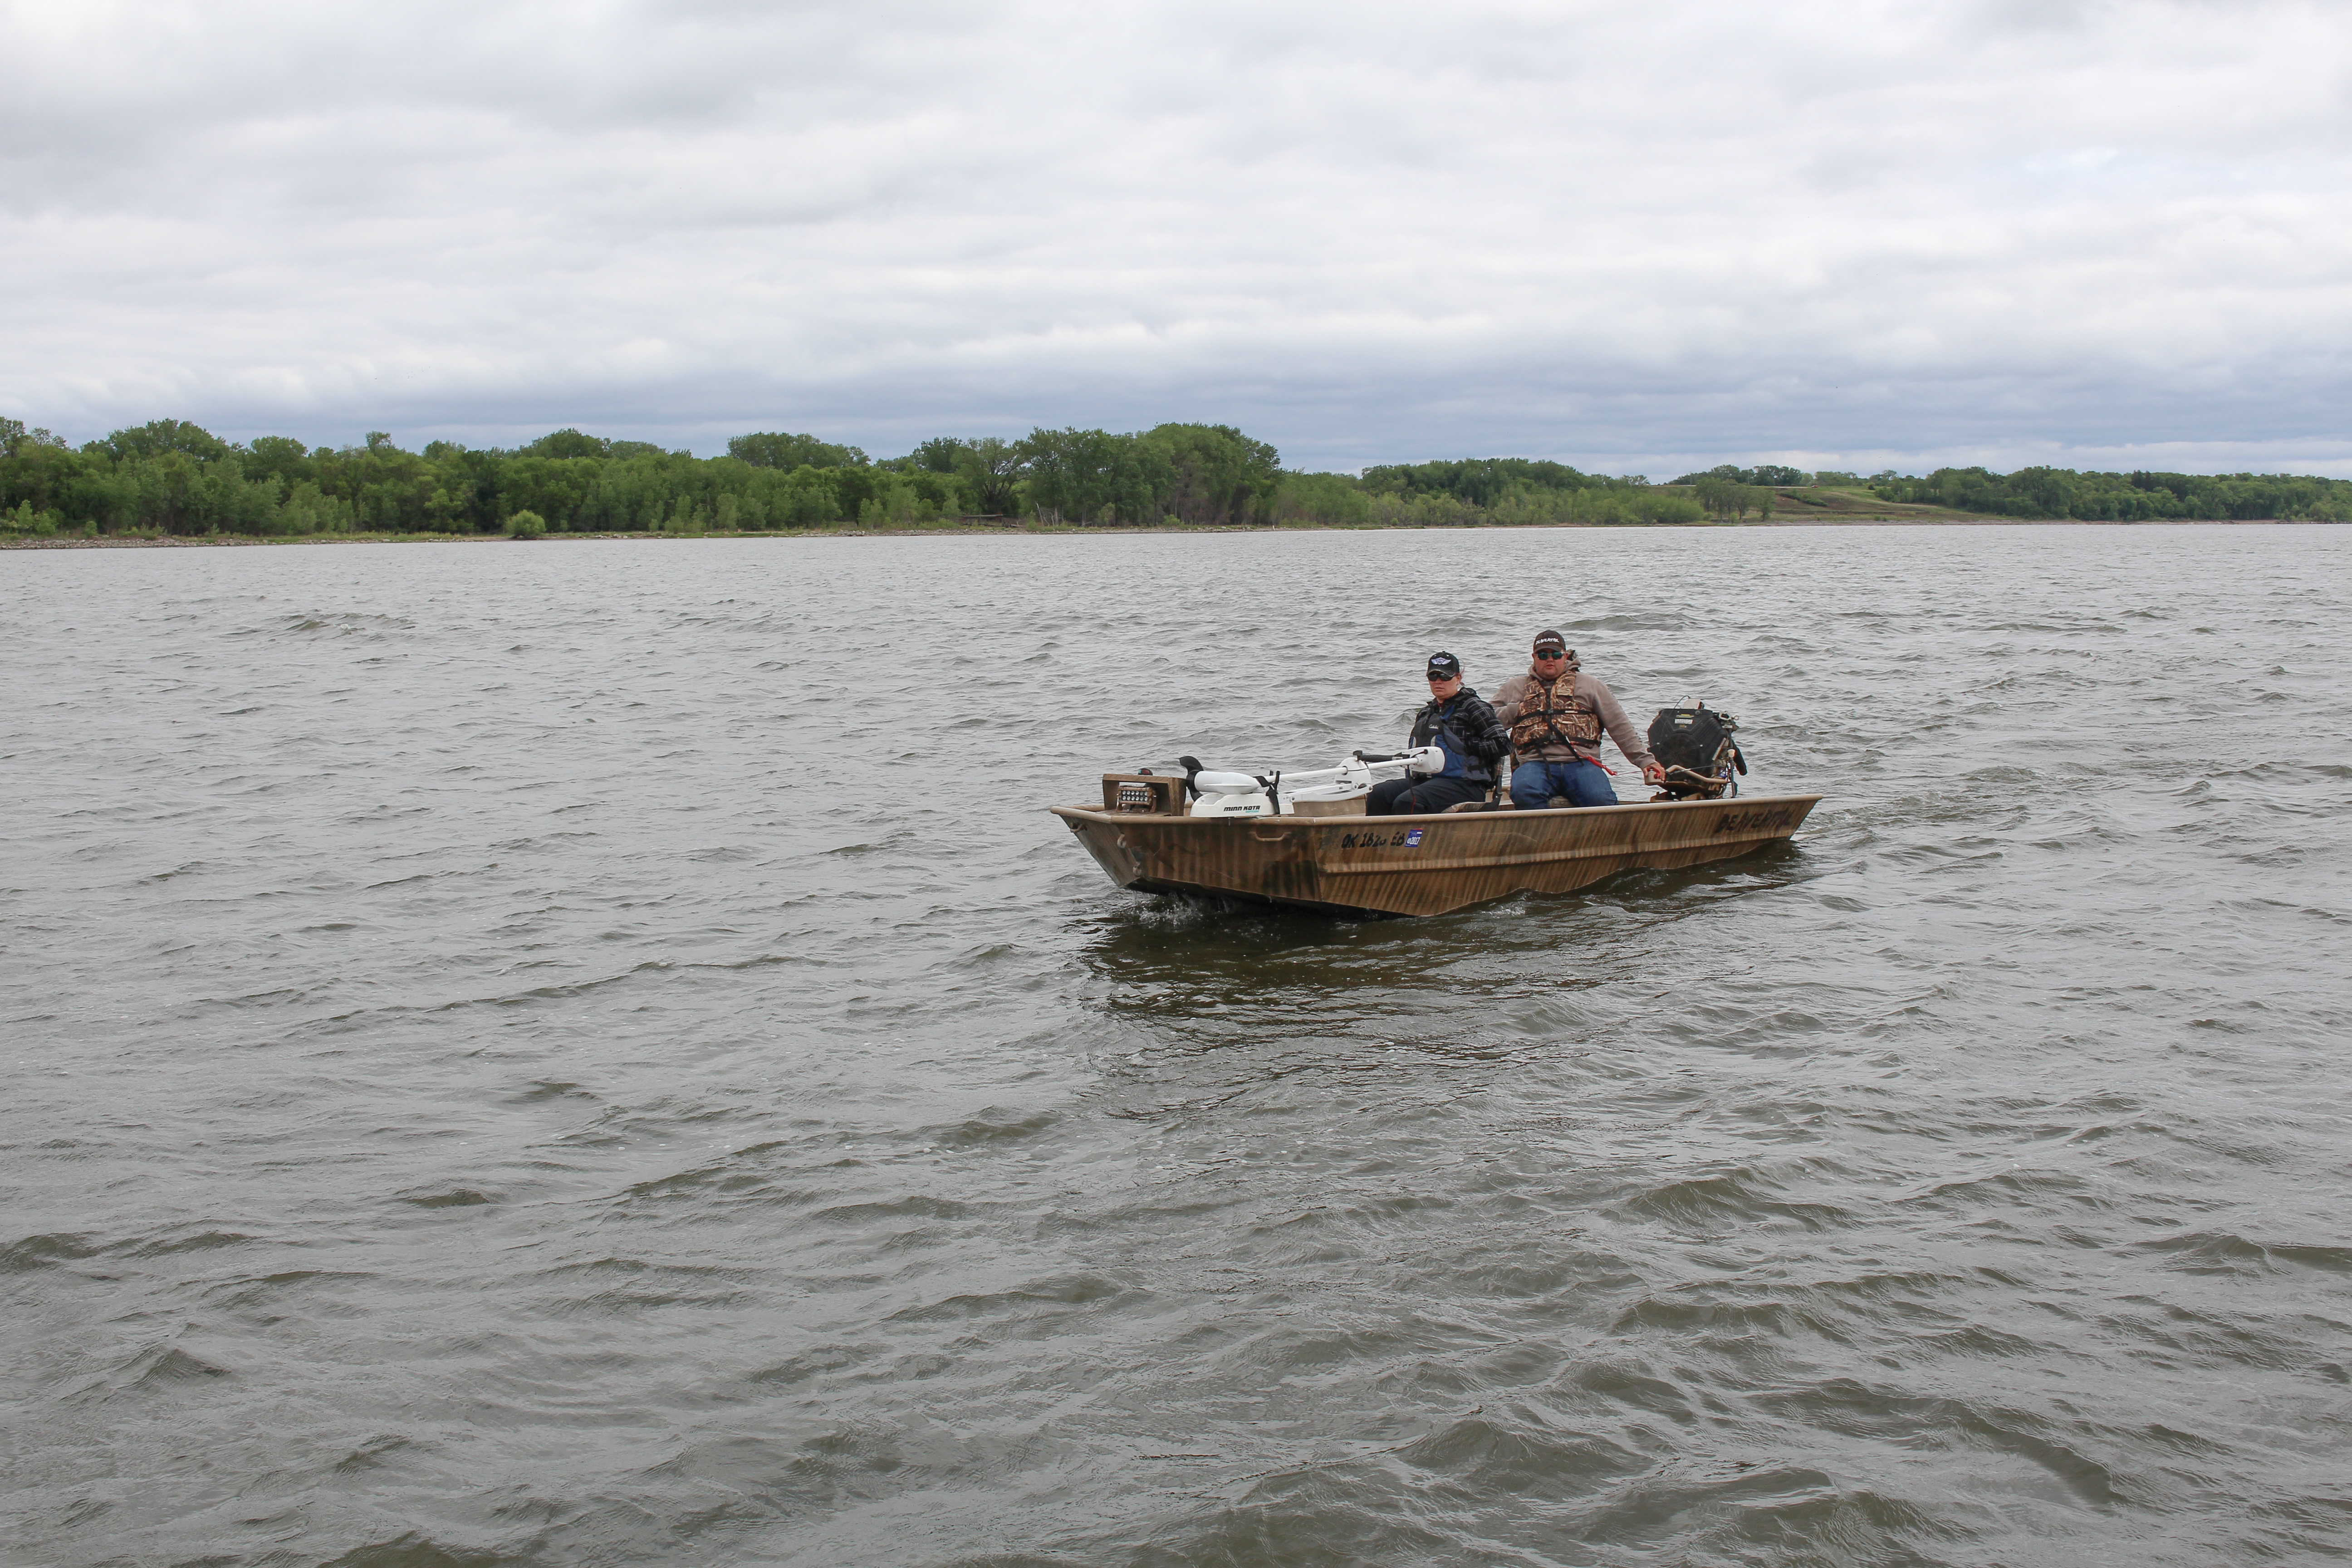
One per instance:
(1401, 838)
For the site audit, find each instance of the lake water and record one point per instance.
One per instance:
(595, 1052)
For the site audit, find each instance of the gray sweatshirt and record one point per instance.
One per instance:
(1591, 693)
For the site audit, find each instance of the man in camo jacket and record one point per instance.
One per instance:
(1556, 713)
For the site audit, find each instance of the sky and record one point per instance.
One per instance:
(1638, 237)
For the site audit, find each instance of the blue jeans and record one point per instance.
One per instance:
(1533, 783)
(1412, 798)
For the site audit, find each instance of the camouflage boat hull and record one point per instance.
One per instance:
(1422, 865)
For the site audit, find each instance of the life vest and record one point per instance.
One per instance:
(1434, 727)
(1549, 714)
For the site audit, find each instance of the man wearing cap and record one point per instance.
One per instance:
(1458, 722)
(1555, 713)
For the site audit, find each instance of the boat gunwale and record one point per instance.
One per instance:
(1355, 823)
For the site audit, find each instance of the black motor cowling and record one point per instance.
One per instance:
(1694, 744)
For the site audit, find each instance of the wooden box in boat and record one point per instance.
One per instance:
(1422, 865)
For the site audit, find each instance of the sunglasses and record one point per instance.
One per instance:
(1435, 675)
(1551, 653)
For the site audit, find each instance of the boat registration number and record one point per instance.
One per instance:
(1407, 838)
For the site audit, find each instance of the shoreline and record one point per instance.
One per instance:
(225, 540)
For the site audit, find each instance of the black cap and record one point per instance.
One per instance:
(1545, 640)
(1444, 667)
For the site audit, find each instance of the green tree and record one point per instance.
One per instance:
(776, 450)
(991, 469)
(14, 437)
(1729, 498)
(1220, 476)
(1333, 501)
(307, 511)
(569, 443)
(25, 522)
(158, 437)
(988, 467)
(38, 469)
(557, 489)
(809, 499)
(1771, 475)
(389, 490)
(280, 458)
(939, 455)
(1475, 481)
(1093, 476)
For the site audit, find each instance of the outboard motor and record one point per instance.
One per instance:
(1693, 743)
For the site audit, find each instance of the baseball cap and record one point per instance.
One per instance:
(1443, 667)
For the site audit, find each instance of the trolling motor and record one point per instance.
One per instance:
(1274, 792)
(1693, 743)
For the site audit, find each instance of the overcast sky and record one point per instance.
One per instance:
(1638, 237)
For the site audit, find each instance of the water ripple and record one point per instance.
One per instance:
(597, 1055)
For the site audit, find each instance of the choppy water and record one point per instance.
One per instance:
(595, 1054)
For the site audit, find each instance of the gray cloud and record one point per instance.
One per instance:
(1634, 238)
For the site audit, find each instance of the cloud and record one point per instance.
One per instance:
(1638, 237)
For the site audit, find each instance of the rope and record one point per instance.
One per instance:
(1709, 785)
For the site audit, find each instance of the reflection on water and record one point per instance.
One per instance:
(598, 1053)
(1160, 948)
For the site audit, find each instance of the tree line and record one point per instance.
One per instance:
(2124, 497)
(2051, 493)
(1768, 476)
(170, 476)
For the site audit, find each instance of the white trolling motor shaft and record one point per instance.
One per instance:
(1225, 794)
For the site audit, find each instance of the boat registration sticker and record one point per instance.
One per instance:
(1413, 840)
